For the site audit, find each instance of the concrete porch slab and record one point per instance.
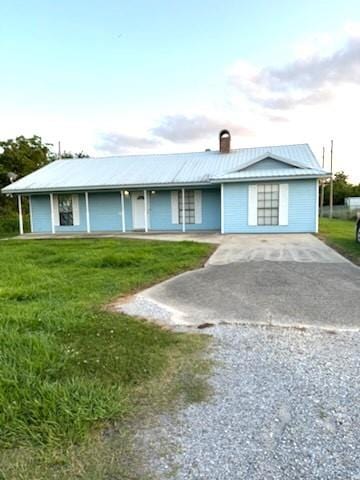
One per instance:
(202, 237)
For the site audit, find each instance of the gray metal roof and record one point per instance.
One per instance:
(156, 170)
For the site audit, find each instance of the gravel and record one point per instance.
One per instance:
(285, 405)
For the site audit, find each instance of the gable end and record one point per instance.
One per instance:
(268, 164)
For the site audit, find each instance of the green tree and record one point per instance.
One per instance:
(342, 188)
(19, 157)
(67, 155)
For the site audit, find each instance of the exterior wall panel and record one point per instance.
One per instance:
(41, 213)
(303, 199)
(105, 212)
(82, 215)
(160, 211)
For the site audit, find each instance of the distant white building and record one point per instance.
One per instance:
(352, 202)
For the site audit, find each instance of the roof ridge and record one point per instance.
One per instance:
(233, 150)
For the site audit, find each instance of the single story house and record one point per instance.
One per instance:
(247, 190)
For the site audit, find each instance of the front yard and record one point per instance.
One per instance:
(68, 366)
(340, 234)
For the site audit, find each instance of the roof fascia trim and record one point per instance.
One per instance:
(6, 191)
(262, 179)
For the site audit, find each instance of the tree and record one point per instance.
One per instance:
(342, 189)
(67, 155)
(19, 157)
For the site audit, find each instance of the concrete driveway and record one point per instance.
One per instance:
(285, 280)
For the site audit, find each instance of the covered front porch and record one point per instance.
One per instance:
(143, 211)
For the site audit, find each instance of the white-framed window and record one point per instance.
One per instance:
(189, 204)
(192, 210)
(268, 196)
(66, 212)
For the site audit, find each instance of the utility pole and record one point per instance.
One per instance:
(59, 150)
(322, 186)
(331, 200)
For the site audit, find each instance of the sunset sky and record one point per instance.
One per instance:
(110, 77)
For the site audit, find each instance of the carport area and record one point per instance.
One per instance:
(284, 280)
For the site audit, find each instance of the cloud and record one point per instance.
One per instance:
(289, 101)
(182, 129)
(304, 81)
(120, 143)
(343, 66)
(277, 119)
(314, 44)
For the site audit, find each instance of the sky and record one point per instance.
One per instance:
(111, 77)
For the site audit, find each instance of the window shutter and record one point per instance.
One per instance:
(76, 210)
(252, 205)
(56, 213)
(175, 207)
(198, 206)
(284, 204)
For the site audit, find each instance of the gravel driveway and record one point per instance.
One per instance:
(285, 401)
(285, 406)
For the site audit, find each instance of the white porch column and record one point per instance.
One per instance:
(87, 212)
(183, 209)
(123, 211)
(52, 213)
(222, 207)
(21, 223)
(146, 211)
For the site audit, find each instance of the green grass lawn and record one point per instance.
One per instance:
(340, 234)
(67, 364)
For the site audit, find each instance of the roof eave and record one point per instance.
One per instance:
(267, 178)
(78, 188)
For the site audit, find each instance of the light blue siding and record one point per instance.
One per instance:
(104, 209)
(105, 212)
(75, 228)
(211, 211)
(268, 164)
(160, 211)
(41, 213)
(302, 209)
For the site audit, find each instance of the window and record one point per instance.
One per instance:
(189, 206)
(66, 215)
(268, 204)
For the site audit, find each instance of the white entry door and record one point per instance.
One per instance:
(138, 210)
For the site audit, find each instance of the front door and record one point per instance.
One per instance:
(138, 210)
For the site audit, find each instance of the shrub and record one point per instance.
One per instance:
(9, 224)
